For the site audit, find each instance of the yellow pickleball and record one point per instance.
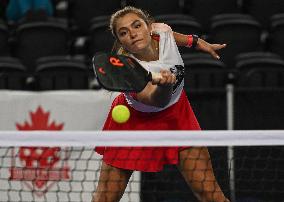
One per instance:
(120, 114)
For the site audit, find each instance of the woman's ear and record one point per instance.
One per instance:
(151, 29)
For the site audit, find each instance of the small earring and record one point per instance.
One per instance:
(151, 33)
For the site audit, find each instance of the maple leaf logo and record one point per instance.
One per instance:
(40, 164)
(39, 121)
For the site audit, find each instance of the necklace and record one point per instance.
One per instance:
(156, 48)
(156, 45)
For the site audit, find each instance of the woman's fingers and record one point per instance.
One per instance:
(215, 47)
(167, 78)
(218, 46)
(156, 78)
(210, 48)
(214, 54)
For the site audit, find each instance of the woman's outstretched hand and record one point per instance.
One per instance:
(204, 46)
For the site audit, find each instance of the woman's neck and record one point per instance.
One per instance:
(149, 54)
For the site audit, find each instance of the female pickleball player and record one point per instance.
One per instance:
(160, 106)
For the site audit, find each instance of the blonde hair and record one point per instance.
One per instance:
(117, 48)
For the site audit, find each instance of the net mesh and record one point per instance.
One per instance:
(37, 166)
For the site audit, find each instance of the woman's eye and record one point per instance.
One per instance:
(122, 33)
(137, 26)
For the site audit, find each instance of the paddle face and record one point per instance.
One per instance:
(120, 73)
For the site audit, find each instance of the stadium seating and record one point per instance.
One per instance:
(240, 32)
(202, 71)
(205, 82)
(41, 48)
(61, 73)
(4, 35)
(13, 75)
(260, 70)
(258, 105)
(276, 33)
(100, 38)
(203, 10)
(38, 39)
(259, 92)
(262, 10)
(157, 7)
(3, 5)
(81, 12)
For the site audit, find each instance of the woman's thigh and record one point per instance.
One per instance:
(112, 183)
(195, 166)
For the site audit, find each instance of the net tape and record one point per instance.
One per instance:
(85, 165)
(142, 138)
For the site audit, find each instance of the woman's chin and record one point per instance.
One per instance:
(138, 49)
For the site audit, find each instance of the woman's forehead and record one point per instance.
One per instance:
(127, 20)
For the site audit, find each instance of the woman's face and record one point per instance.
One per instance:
(133, 33)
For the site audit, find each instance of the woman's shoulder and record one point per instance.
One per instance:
(160, 27)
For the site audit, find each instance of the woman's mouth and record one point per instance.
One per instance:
(134, 42)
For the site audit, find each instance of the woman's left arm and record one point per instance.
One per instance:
(202, 45)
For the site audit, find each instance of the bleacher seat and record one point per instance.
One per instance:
(276, 33)
(4, 35)
(81, 12)
(259, 105)
(260, 70)
(3, 5)
(204, 72)
(157, 7)
(205, 82)
(259, 91)
(262, 10)
(203, 10)
(38, 39)
(13, 74)
(240, 32)
(61, 73)
(100, 37)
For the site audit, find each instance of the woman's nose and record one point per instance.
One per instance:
(133, 34)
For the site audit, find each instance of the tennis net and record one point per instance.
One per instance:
(63, 166)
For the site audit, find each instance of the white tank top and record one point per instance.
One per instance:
(169, 58)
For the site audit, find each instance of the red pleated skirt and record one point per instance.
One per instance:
(148, 159)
